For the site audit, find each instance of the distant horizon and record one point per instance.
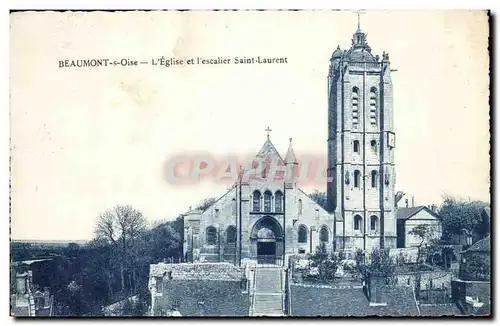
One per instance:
(151, 222)
(79, 241)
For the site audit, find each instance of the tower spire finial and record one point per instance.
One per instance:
(359, 13)
(268, 130)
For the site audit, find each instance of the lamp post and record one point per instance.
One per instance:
(313, 228)
(192, 245)
(218, 239)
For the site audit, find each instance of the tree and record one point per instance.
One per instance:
(121, 227)
(320, 198)
(326, 264)
(206, 203)
(477, 268)
(427, 235)
(379, 263)
(163, 241)
(458, 215)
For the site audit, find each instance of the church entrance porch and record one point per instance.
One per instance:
(266, 252)
(267, 241)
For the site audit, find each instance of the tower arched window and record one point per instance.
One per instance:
(374, 179)
(355, 105)
(231, 234)
(357, 222)
(323, 234)
(267, 201)
(302, 234)
(373, 106)
(356, 146)
(278, 202)
(299, 204)
(256, 201)
(373, 223)
(211, 235)
(357, 175)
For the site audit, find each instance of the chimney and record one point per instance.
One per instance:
(377, 290)
(406, 202)
(413, 201)
(21, 283)
(46, 296)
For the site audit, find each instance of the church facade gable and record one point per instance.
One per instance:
(262, 219)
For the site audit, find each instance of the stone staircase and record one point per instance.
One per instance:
(268, 292)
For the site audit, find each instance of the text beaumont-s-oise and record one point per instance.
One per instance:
(168, 62)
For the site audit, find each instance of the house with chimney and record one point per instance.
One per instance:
(198, 289)
(409, 217)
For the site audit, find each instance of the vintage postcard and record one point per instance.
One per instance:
(329, 163)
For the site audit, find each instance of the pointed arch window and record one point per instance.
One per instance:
(357, 175)
(373, 223)
(374, 179)
(302, 234)
(231, 234)
(373, 106)
(323, 234)
(211, 235)
(357, 222)
(256, 201)
(299, 207)
(267, 201)
(356, 146)
(278, 202)
(355, 105)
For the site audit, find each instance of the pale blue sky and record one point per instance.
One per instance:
(87, 139)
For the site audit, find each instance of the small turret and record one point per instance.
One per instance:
(291, 166)
(290, 155)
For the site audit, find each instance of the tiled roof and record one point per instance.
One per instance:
(437, 310)
(203, 298)
(481, 245)
(404, 213)
(197, 271)
(349, 301)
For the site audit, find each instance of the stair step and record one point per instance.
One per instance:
(268, 295)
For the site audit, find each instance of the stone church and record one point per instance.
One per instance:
(263, 221)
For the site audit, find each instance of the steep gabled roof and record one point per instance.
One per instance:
(197, 271)
(405, 213)
(481, 245)
(290, 154)
(268, 151)
(346, 301)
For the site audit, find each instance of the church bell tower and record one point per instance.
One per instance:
(361, 143)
